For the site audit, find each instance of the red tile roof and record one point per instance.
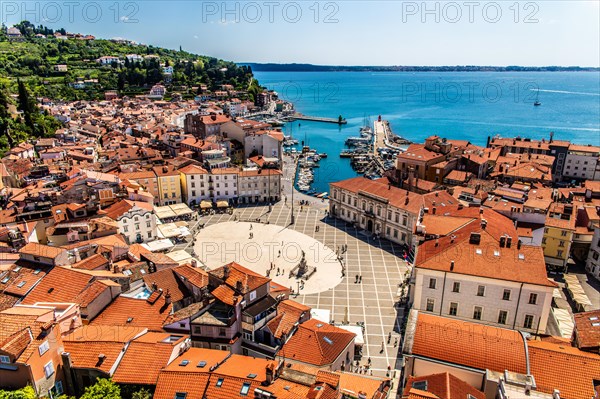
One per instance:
(572, 371)
(587, 329)
(317, 343)
(144, 358)
(61, 284)
(484, 259)
(464, 343)
(442, 386)
(141, 312)
(249, 279)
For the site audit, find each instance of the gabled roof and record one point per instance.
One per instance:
(249, 279)
(35, 249)
(440, 386)
(317, 343)
(288, 314)
(486, 258)
(587, 328)
(464, 343)
(86, 345)
(192, 275)
(144, 358)
(124, 311)
(167, 281)
(558, 366)
(229, 387)
(61, 284)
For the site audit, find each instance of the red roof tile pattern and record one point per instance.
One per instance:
(170, 383)
(526, 265)
(61, 284)
(144, 358)
(317, 343)
(249, 279)
(442, 386)
(587, 328)
(141, 313)
(572, 371)
(469, 344)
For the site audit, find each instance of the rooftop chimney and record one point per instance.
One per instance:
(519, 244)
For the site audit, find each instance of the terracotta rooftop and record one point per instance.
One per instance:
(572, 371)
(317, 343)
(464, 343)
(124, 311)
(483, 259)
(249, 279)
(440, 386)
(35, 249)
(587, 329)
(145, 357)
(61, 284)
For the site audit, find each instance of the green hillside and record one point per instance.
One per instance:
(34, 59)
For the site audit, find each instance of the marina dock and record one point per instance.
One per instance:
(320, 119)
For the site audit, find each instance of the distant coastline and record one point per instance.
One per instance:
(272, 67)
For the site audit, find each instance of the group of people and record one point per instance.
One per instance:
(358, 279)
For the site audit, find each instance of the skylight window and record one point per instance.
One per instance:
(22, 284)
(5, 280)
(595, 324)
(17, 269)
(522, 256)
(329, 341)
(245, 388)
(219, 382)
(180, 395)
(496, 253)
(251, 376)
(593, 318)
(37, 271)
(184, 363)
(421, 385)
(478, 251)
(201, 364)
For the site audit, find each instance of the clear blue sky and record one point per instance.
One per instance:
(342, 32)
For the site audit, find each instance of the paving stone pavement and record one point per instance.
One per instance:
(371, 301)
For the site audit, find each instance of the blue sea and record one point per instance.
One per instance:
(459, 105)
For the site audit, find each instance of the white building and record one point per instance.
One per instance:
(481, 273)
(380, 208)
(592, 265)
(107, 60)
(223, 184)
(582, 162)
(259, 185)
(136, 220)
(134, 58)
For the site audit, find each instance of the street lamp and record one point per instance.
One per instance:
(293, 181)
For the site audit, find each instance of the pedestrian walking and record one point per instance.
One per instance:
(278, 271)
(250, 226)
(395, 342)
(389, 337)
(356, 280)
(382, 347)
(360, 279)
(369, 361)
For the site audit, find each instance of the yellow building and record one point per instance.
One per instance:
(169, 185)
(558, 237)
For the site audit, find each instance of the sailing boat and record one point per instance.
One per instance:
(537, 103)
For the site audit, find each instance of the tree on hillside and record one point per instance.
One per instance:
(102, 389)
(26, 105)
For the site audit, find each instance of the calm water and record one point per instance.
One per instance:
(467, 106)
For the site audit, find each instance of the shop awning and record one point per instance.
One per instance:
(205, 205)
(158, 245)
(222, 204)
